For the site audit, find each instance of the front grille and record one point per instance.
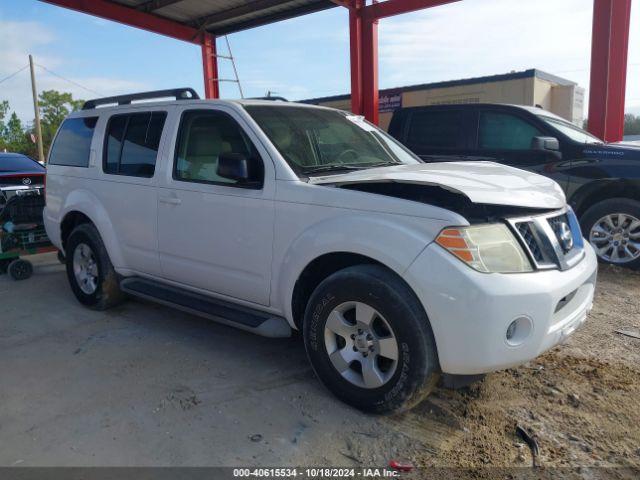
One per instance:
(552, 241)
(555, 222)
(526, 232)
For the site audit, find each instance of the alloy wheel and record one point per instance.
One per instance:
(361, 344)
(616, 238)
(85, 268)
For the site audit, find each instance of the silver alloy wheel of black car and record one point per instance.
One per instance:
(616, 238)
(85, 268)
(361, 345)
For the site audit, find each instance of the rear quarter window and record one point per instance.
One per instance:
(72, 144)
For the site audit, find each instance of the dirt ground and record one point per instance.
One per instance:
(144, 385)
(581, 400)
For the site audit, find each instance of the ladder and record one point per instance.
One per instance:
(230, 57)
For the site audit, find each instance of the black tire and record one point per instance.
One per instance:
(607, 207)
(20, 269)
(107, 293)
(61, 258)
(417, 368)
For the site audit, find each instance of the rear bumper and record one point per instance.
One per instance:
(470, 311)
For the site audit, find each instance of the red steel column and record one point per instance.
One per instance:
(210, 66)
(370, 69)
(609, 48)
(355, 48)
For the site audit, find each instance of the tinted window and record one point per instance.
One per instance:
(436, 129)
(73, 142)
(503, 131)
(14, 162)
(204, 135)
(115, 134)
(132, 143)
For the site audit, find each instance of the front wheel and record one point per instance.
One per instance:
(369, 340)
(613, 229)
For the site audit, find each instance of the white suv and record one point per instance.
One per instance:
(272, 216)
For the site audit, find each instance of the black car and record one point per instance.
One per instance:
(601, 181)
(21, 189)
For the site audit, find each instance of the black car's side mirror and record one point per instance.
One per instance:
(545, 143)
(234, 166)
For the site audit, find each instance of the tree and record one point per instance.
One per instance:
(15, 137)
(4, 108)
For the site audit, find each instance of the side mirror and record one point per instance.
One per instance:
(234, 166)
(545, 143)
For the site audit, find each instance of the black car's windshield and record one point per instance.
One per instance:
(570, 130)
(314, 140)
(13, 162)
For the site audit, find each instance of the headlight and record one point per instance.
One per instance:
(487, 248)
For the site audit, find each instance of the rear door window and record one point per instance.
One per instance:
(132, 143)
(437, 129)
(504, 131)
(72, 144)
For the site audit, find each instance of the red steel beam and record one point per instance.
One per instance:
(363, 44)
(370, 92)
(609, 49)
(132, 17)
(390, 8)
(210, 67)
(355, 50)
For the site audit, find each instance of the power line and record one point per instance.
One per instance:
(70, 81)
(13, 74)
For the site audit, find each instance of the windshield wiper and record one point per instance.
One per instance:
(347, 166)
(331, 168)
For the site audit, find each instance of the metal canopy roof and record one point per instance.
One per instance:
(226, 16)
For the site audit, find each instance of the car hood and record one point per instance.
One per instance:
(481, 182)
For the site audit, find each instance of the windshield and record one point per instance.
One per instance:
(314, 140)
(570, 130)
(12, 162)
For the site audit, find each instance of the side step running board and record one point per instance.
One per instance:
(254, 321)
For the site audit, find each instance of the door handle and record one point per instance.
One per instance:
(171, 200)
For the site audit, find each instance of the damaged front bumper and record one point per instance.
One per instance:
(486, 322)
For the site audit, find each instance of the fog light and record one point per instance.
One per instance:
(518, 331)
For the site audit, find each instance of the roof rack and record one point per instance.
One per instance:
(269, 97)
(177, 93)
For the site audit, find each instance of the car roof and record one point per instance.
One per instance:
(92, 112)
(507, 106)
(13, 154)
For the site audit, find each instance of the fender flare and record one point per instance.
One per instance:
(382, 235)
(85, 202)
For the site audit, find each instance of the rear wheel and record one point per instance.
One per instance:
(369, 340)
(613, 229)
(89, 270)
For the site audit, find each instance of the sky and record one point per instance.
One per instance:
(304, 57)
